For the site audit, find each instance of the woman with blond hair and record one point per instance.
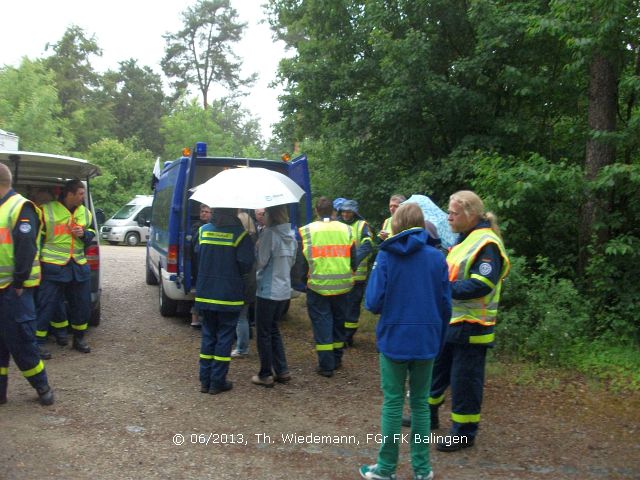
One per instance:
(477, 265)
(409, 287)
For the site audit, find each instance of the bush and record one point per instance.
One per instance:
(542, 317)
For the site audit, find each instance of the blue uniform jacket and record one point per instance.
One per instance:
(409, 287)
(221, 266)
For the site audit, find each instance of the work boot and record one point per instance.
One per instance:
(324, 373)
(44, 353)
(80, 345)
(45, 394)
(224, 388)
(406, 420)
(453, 443)
(62, 340)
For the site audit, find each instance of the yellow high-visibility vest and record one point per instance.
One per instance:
(59, 244)
(357, 229)
(327, 248)
(9, 215)
(460, 259)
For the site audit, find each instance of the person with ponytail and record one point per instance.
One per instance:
(478, 264)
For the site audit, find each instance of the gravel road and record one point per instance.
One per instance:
(132, 409)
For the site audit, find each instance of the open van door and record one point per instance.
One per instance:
(299, 173)
(34, 172)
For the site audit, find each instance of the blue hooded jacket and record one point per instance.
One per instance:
(409, 287)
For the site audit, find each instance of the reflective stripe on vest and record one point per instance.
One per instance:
(9, 213)
(386, 226)
(460, 259)
(59, 244)
(327, 248)
(357, 229)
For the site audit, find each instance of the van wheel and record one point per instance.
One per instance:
(168, 307)
(132, 239)
(150, 277)
(94, 320)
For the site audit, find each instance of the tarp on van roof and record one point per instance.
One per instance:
(33, 167)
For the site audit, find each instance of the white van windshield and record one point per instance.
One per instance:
(125, 212)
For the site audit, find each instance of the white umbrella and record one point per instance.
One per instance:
(249, 188)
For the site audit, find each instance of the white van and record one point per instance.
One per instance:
(130, 224)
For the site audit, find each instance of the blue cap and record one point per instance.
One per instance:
(337, 203)
(349, 206)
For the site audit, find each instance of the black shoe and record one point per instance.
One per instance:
(463, 441)
(406, 420)
(44, 353)
(224, 388)
(324, 373)
(62, 340)
(204, 389)
(3, 399)
(349, 342)
(80, 345)
(45, 395)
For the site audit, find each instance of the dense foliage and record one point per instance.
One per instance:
(531, 103)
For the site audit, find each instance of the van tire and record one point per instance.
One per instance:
(168, 307)
(132, 239)
(150, 277)
(94, 320)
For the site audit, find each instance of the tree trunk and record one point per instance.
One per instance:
(600, 153)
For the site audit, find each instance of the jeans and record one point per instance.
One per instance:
(218, 329)
(242, 330)
(353, 312)
(327, 314)
(393, 375)
(269, 340)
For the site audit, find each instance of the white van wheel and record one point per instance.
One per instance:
(132, 239)
(168, 307)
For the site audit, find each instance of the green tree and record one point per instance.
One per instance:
(138, 103)
(126, 172)
(29, 107)
(200, 54)
(79, 88)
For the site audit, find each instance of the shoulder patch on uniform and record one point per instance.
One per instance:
(485, 269)
(24, 227)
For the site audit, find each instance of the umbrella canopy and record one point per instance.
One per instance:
(437, 216)
(249, 188)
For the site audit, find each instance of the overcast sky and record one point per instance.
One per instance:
(133, 29)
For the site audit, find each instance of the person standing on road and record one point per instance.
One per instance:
(394, 203)
(478, 264)
(329, 249)
(204, 218)
(348, 214)
(225, 255)
(409, 287)
(276, 254)
(65, 272)
(19, 275)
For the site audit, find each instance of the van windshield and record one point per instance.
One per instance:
(125, 212)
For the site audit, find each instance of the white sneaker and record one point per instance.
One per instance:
(237, 354)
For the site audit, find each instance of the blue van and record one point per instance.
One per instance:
(168, 261)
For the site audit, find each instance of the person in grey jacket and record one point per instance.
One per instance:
(276, 254)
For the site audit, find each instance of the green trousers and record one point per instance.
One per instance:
(393, 375)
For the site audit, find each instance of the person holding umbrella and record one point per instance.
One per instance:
(225, 253)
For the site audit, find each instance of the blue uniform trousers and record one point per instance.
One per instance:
(50, 295)
(354, 298)
(17, 339)
(328, 314)
(218, 334)
(461, 366)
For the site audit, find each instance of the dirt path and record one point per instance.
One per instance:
(119, 408)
